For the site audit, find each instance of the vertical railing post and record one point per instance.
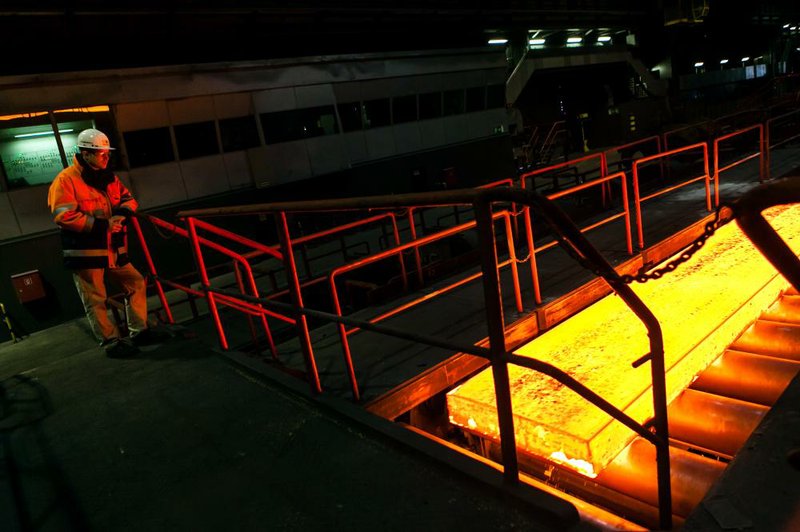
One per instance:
(707, 175)
(397, 241)
(497, 343)
(240, 283)
(760, 153)
(152, 267)
(526, 216)
(716, 171)
(297, 300)
(637, 205)
(767, 154)
(412, 226)
(201, 268)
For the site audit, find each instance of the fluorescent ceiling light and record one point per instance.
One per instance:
(723, 61)
(41, 133)
(498, 41)
(745, 59)
(573, 40)
(786, 25)
(536, 41)
(699, 64)
(604, 38)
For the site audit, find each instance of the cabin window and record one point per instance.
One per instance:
(495, 96)
(149, 146)
(404, 109)
(350, 116)
(196, 140)
(476, 99)
(35, 147)
(430, 105)
(377, 113)
(453, 102)
(240, 133)
(297, 124)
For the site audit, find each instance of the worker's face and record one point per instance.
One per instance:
(97, 159)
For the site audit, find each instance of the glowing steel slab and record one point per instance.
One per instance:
(702, 307)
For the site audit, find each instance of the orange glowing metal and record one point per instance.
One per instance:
(702, 307)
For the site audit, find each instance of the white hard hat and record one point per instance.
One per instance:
(93, 139)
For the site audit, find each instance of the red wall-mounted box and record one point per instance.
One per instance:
(28, 286)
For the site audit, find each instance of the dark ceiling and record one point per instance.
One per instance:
(66, 35)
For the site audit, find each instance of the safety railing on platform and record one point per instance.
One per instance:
(497, 354)
(243, 262)
(638, 199)
(416, 244)
(603, 182)
(792, 119)
(760, 151)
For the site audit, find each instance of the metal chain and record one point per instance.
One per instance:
(643, 276)
(710, 228)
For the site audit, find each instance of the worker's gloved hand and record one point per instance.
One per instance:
(116, 223)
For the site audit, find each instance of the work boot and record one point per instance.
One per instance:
(117, 348)
(150, 336)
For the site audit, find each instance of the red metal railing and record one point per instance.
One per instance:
(768, 134)
(497, 353)
(737, 162)
(638, 199)
(416, 244)
(628, 146)
(604, 183)
(412, 224)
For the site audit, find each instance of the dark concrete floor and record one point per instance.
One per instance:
(180, 439)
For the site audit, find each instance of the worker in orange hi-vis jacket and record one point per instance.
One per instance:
(91, 206)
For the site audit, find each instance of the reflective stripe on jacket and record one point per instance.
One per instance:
(82, 212)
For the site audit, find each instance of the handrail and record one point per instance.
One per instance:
(572, 162)
(637, 199)
(238, 259)
(759, 154)
(412, 225)
(537, 295)
(570, 237)
(626, 211)
(637, 142)
(768, 137)
(343, 333)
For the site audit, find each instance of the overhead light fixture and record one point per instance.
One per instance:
(41, 133)
(793, 28)
(786, 25)
(699, 64)
(745, 59)
(536, 42)
(604, 38)
(574, 40)
(498, 41)
(723, 61)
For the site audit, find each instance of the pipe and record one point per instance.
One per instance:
(713, 422)
(770, 338)
(787, 310)
(566, 480)
(633, 473)
(747, 377)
